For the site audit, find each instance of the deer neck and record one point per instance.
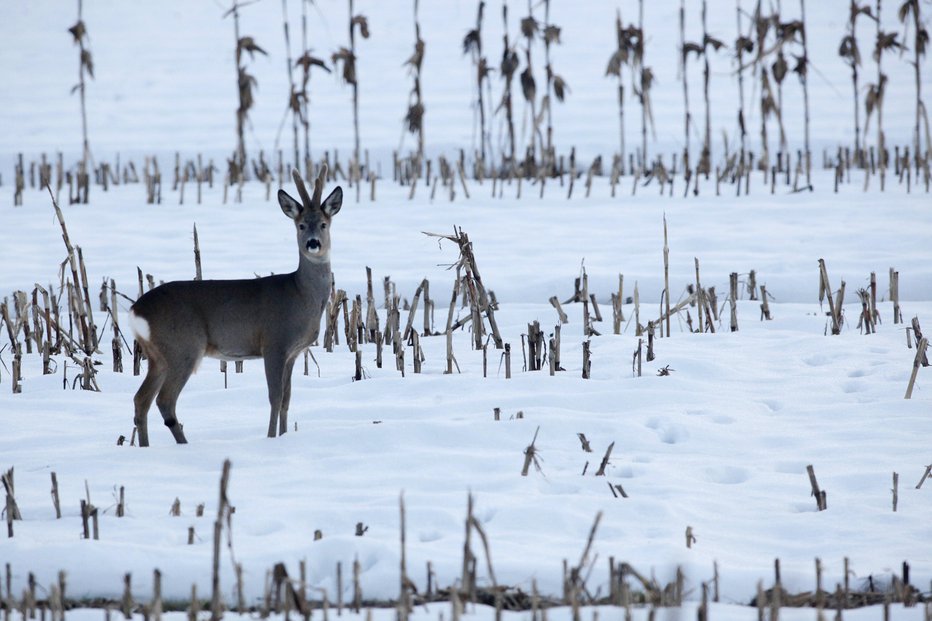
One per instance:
(312, 276)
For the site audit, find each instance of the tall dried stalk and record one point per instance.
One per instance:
(687, 117)
(920, 41)
(508, 67)
(642, 87)
(630, 52)
(875, 93)
(556, 85)
(618, 60)
(850, 52)
(294, 101)
(771, 105)
(472, 44)
(85, 65)
(529, 28)
(347, 56)
(414, 118)
(705, 159)
(743, 45)
(245, 83)
(223, 515)
(802, 70)
(302, 100)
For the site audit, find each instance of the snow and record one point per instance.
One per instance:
(720, 445)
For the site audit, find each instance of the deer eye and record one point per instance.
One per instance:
(323, 225)
(302, 226)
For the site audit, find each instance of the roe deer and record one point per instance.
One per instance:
(274, 318)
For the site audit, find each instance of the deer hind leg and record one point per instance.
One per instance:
(175, 378)
(155, 377)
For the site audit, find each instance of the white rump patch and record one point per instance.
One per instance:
(139, 326)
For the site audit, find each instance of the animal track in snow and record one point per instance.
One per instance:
(726, 475)
(668, 432)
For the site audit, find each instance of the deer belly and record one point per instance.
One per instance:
(230, 354)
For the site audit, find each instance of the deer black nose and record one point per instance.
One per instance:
(313, 244)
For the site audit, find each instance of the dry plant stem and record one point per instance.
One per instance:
(826, 289)
(686, 115)
(292, 93)
(699, 298)
(197, 257)
(854, 61)
(733, 281)
(240, 116)
(917, 362)
(468, 557)
(644, 94)
(355, 85)
(223, 509)
(816, 492)
(55, 497)
(918, 48)
(895, 295)
(404, 597)
(896, 490)
(805, 84)
(740, 58)
(925, 475)
(706, 159)
(605, 458)
(82, 65)
(530, 456)
(881, 78)
(72, 263)
(666, 273)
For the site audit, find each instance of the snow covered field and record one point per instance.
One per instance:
(720, 445)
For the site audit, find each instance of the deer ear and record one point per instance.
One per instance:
(290, 206)
(331, 205)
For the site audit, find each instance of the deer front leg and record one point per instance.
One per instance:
(274, 377)
(286, 396)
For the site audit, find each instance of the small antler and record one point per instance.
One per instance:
(319, 183)
(298, 181)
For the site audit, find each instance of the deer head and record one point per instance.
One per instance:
(312, 216)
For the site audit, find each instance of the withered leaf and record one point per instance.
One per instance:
(691, 47)
(248, 44)
(306, 61)
(78, 31)
(363, 23)
(528, 86)
(849, 50)
(471, 41)
(715, 43)
(414, 118)
(560, 88)
(552, 34)
(88, 62)
(417, 57)
(615, 62)
(509, 63)
(529, 26)
(801, 66)
(780, 68)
